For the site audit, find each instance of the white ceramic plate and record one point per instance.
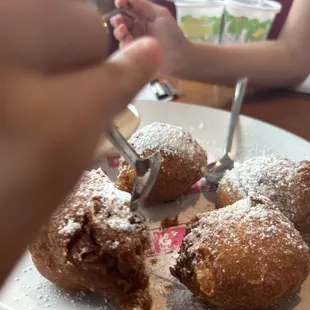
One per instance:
(26, 289)
(4, 307)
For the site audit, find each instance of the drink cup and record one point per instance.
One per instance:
(200, 20)
(248, 21)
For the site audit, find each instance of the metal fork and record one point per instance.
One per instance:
(146, 169)
(216, 170)
(106, 17)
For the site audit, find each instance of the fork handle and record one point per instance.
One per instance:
(123, 146)
(111, 14)
(235, 111)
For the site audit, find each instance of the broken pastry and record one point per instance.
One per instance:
(94, 243)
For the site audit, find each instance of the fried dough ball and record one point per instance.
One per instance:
(183, 161)
(94, 243)
(241, 257)
(284, 182)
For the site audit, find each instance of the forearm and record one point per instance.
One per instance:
(266, 64)
(20, 218)
(28, 195)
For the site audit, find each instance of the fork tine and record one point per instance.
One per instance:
(143, 185)
(146, 168)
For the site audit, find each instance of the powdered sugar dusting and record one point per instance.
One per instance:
(160, 275)
(257, 220)
(43, 295)
(270, 176)
(166, 138)
(96, 195)
(70, 228)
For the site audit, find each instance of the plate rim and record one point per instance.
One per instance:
(223, 112)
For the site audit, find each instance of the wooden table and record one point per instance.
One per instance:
(288, 110)
(285, 109)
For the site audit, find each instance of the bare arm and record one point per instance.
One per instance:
(281, 63)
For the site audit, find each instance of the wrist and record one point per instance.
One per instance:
(182, 59)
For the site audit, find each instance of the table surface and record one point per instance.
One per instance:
(285, 109)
